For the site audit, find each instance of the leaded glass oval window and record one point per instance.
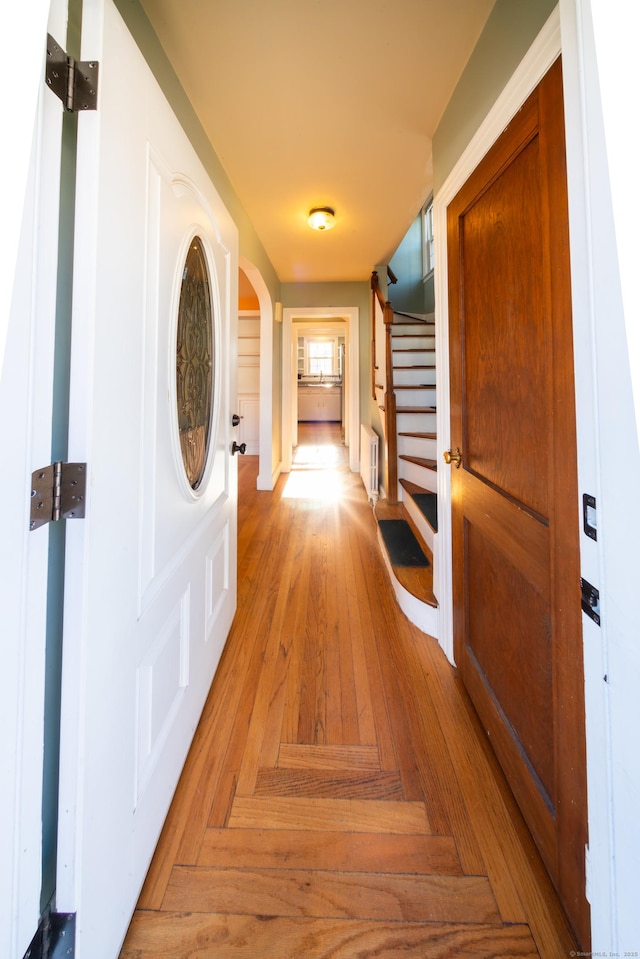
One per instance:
(194, 363)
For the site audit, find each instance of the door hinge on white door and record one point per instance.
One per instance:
(55, 937)
(57, 492)
(75, 82)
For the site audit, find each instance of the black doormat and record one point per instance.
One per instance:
(402, 546)
(427, 503)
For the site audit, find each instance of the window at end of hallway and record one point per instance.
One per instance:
(322, 356)
(427, 238)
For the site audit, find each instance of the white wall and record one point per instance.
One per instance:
(602, 197)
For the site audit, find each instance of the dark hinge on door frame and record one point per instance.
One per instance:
(57, 492)
(55, 938)
(75, 82)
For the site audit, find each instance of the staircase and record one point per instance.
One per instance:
(414, 380)
(413, 374)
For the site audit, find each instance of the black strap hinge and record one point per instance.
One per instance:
(55, 937)
(75, 82)
(58, 492)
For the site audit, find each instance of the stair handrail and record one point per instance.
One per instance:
(389, 408)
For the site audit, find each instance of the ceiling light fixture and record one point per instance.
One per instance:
(321, 218)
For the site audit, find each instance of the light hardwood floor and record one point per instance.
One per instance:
(339, 799)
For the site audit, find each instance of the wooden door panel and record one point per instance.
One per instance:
(517, 620)
(510, 527)
(515, 663)
(505, 335)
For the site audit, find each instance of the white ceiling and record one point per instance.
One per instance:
(322, 103)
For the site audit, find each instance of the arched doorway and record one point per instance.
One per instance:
(268, 438)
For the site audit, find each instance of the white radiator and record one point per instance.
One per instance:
(369, 461)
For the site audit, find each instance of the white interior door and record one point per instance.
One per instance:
(151, 572)
(26, 376)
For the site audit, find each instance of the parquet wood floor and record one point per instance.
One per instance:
(339, 800)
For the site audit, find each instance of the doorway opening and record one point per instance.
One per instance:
(320, 395)
(320, 377)
(256, 309)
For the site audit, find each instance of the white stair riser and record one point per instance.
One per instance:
(412, 329)
(425, 478)
(410, 377)
(413, 343)
(417, 446)
(416, 422)
(425, 397)
(422, 358)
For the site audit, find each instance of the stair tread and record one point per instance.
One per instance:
(413, 317)
(415, 409)
(414, 488)
(401, 319)
(411, 409)
(413, 386)
(420, 436)
(424, 366)
(425, 500)
(417, 580)
(414, 349)
(420, 461)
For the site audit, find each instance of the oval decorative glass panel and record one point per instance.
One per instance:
(194, 363)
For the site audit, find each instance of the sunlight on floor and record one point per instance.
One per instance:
(320, 484)
(316, 472)
(319, 456)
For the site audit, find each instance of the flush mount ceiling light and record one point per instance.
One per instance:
(321, 218)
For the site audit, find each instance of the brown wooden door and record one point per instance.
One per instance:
(517, 614)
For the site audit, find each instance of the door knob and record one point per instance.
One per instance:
(239, 447)
(235, 420)
(453, 456)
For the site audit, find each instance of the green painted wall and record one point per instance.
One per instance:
(146, 39)
(411, 294)
(509, 32)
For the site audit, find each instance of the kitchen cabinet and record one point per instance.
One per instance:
(319, 404)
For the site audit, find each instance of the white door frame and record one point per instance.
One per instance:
(309, 328)
(351, 315)
(28, 280)
(603, 258)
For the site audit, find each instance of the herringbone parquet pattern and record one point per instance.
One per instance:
(338, 800)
